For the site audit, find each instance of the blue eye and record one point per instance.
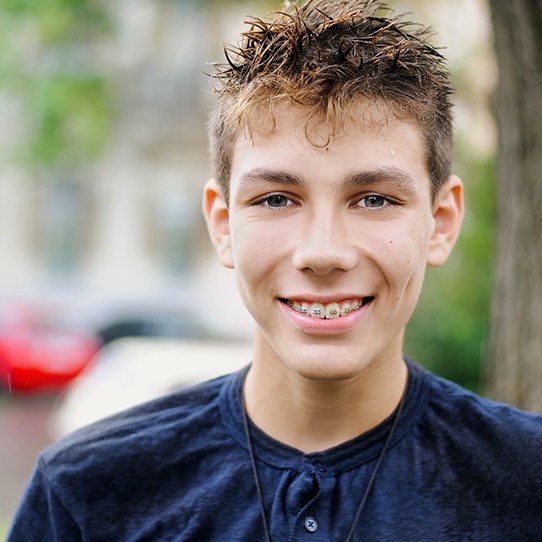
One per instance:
(276, 201)
(373, 201)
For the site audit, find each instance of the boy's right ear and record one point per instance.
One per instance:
(217, 216)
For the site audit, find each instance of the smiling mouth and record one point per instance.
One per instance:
(327, 310)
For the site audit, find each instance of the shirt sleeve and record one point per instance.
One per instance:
(41, 516)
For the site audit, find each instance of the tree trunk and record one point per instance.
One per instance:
(514, 361)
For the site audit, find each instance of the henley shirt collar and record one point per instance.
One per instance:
(335, 460)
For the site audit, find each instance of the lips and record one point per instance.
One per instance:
(328, 311)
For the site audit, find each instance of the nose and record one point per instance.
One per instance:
(325, 244)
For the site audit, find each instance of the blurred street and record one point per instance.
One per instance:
(23, 430)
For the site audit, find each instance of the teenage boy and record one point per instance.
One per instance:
(331, 141)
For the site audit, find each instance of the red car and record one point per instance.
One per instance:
(38, 351)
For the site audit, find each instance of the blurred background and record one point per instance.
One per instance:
(103, 156)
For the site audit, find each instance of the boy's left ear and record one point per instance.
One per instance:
(447, 215)
(217, 217)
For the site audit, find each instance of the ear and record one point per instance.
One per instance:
(217, 217)
(448, 216)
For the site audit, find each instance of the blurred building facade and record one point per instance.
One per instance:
(129, 224)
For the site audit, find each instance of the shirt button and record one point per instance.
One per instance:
(311, 524)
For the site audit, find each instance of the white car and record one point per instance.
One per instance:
(130, 371)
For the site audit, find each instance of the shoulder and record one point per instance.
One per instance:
(449, 396)
(481, 458)
(155, 425)
(481, 422)
(111, 477)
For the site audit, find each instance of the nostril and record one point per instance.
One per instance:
(323, 262)
(323, 254)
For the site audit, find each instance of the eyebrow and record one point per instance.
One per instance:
(264, 176)
(390, 175)
(396, 177)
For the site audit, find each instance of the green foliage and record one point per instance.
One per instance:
(47, 67)
(211, 3)
(57, 21)
(70, 114)
(448, 331)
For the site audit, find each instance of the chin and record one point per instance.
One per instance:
(326, 371)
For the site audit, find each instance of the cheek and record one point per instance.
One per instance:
(255, 251)
(404, 257)
(257, 264)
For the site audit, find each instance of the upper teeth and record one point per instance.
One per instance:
(330, 310)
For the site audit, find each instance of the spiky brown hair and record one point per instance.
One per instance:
(328, 56)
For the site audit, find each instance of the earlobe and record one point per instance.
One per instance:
(217, 217)
(447, 215)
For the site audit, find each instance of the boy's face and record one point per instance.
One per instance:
(330, 242)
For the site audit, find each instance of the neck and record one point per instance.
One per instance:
(314, 415)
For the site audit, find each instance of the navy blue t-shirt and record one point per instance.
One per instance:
(459, 468)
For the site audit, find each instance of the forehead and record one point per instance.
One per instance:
(368, 138)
